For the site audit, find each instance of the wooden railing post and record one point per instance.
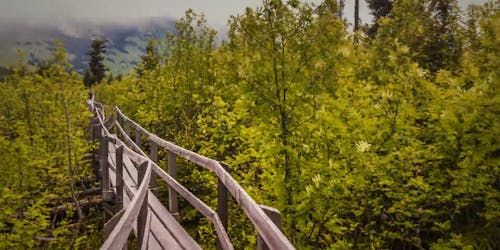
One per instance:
(93, 122)
(94, 136)
(153, 148)
(119, 178)
(107, 194)
(143, 214)
(127, 127)
(119, 120)
(173, 203)
(138, 139)
(275, 217)
(115, 118)
(222, 203)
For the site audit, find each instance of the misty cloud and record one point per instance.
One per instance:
(68, 14)
(53, 12)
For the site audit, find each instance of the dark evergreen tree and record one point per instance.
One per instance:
(96, 70)
(379, 8)
(446, 48)
(150, 60)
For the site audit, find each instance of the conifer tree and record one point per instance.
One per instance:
(356, 15)
(150, 60)
(96, 70)
(379, 8)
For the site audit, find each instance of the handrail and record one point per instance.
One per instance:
(269, 232)
(210, 214)
(129, 140)
(119, 235)
(190, 197)
(273, 237)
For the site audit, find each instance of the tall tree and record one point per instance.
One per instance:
(289, 48)
(150, 60)
(432, 34)
(446, 36)
(340, 6)
(96, 70)
(379, 8)
(356, 15)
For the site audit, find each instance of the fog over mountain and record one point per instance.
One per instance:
(126, 41)
(32, 25)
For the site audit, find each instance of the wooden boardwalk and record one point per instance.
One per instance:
(129, 179)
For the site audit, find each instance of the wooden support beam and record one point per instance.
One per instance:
(153, 149)
(127, 127)
(138, 138)
(173, 202)
(142, 218)
(119, 177)
(222, 204)
(107, 194)
(144, 242)
(118, 237)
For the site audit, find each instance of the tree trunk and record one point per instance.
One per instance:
(356, 16)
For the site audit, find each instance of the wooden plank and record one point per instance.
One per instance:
(119, 235)
(153, 243)
(110, 224)
(144, 243)
(198, 204)
(128, 196)
(129, 173)
(131, 176)
(169, 222)
(161, 234)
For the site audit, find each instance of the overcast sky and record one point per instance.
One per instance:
(58, 12)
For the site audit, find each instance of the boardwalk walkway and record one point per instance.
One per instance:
(129, 179)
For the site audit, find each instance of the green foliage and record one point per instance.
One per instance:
(390, 143)
(433, 36)
(43, 125)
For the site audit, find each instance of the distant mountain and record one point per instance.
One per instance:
(126, 42)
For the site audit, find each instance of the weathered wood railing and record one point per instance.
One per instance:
(144, 207)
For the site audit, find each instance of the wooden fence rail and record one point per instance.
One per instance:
(129, 180)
